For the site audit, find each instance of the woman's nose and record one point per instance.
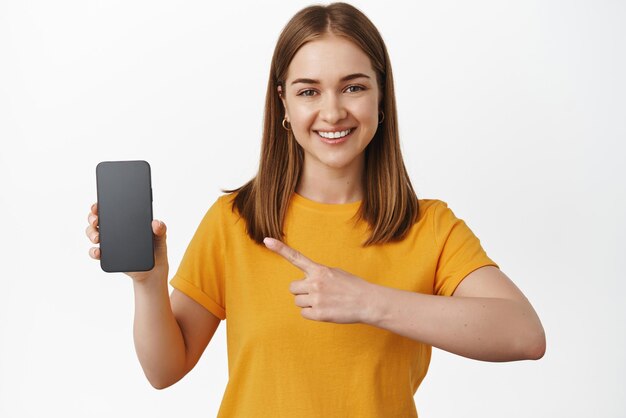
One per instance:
(332, 109)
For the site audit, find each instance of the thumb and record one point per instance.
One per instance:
(159, 229)
(160, 246)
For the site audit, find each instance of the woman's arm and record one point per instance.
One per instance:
(487, 318)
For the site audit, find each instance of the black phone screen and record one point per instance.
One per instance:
(125, 216)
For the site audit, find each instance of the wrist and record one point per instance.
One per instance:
(374, 304)
(156, 281)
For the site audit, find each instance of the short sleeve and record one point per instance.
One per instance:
(201, 272)
(460, 251)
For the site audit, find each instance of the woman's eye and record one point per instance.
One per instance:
(302, 93)
(358, 87)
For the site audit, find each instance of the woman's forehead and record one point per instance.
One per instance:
(328, 59)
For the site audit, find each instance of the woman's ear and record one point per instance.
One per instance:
(279, 89)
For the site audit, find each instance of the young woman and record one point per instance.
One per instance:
(334, 277)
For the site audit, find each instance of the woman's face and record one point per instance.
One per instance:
(331, 88)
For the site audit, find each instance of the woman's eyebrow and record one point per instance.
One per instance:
(346, 78)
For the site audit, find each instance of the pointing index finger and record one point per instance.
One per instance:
(293, 256)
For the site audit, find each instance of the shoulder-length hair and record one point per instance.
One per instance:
(389, 205)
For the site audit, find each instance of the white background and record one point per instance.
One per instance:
(511, 112)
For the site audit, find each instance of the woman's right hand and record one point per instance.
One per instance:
(161, 266)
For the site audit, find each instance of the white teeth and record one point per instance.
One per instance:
(333, 135)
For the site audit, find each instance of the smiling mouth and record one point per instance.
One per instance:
(342, 136)
(335, 135)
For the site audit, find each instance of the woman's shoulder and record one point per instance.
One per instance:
(428, 206)
(427, 202)
(226, 197)
(227, 204)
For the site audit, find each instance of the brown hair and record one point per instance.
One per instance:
(390, 205)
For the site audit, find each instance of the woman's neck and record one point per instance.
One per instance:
(325, 184)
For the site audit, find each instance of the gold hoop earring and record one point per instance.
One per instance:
(286, 128)
(382, 118)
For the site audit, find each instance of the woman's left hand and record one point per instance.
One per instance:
(326, 293)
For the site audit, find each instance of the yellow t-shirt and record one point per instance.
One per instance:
(281, 364)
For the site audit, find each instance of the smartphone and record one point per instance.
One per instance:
(125, 216)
